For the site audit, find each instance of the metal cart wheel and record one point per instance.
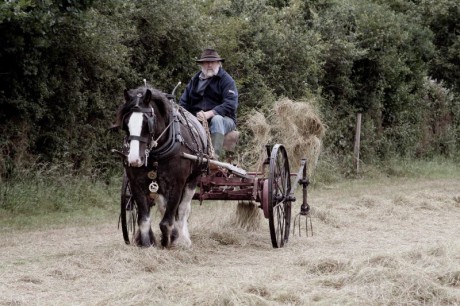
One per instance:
(128, 212)
(279, 204)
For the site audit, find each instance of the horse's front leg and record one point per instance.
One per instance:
(144, 236)
(139, 188)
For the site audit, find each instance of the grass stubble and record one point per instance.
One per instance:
(389, 242)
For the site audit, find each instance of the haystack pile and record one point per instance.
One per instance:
(296, 125)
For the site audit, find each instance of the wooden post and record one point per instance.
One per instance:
(357, 142)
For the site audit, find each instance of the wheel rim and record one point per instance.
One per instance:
(279, 188)
(128, 212)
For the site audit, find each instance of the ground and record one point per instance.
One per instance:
(391, 241)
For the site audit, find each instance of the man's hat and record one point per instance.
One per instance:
(209, 55)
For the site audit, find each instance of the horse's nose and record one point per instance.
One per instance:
(135, 162)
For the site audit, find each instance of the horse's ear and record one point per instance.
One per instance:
(148, 97)
(126, 94)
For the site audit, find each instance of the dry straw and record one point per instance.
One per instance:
(247, 216)
(296, 125)
(254, 154)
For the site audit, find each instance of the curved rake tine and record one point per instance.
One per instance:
(305, 212)
(307, 217)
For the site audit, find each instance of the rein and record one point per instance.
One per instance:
(154, 143)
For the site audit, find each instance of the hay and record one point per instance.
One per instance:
(258, 126)
(247, 216)
(299, 116)
(296, 125)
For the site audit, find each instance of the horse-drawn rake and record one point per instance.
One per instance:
(274, 193)
(273, 187)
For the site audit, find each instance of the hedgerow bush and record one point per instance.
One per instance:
(64, 65)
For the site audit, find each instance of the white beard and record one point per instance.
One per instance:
(208, 73)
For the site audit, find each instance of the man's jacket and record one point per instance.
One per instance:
(219, 95)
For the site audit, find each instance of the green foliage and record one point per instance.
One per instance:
(62, 73)
(44, 189)
(375, 64)
(443, 18)
(64, 65)
(434, 167)
(267, 58)
(440, 131)
(167, 41)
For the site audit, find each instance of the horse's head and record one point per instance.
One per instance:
(139, 116)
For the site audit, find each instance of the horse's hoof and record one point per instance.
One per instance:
(182, 243)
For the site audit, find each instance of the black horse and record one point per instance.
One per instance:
(157, 133)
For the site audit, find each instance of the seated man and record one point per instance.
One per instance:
(211, 95)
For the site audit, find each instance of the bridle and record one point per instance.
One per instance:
(173, 140)
(149, 114)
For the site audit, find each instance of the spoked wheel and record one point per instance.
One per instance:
(279, 188)
(128, 213)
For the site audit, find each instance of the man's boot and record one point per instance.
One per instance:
(217, 143)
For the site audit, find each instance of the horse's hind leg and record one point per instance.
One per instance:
(168, 232)
(182, 217)
(166, 227)
(146, 234)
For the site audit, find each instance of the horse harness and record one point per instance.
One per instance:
(174, 140)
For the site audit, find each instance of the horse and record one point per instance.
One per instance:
(158, 131)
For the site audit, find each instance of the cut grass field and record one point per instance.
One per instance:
(379, 241)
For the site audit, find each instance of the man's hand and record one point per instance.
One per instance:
(205, 115)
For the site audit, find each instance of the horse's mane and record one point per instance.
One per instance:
(125, 108)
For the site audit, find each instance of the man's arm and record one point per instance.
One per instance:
(184, 98)
(229, 103)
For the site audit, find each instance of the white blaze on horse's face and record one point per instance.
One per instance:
(135, 128)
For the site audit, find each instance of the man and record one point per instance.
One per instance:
(211, 94)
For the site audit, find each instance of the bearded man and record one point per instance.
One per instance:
(211, 95)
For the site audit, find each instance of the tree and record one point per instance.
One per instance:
(61, 62)
(375, 64)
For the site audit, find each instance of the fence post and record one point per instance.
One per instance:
(357, 142)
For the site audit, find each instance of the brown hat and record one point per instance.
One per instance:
(209, 55)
